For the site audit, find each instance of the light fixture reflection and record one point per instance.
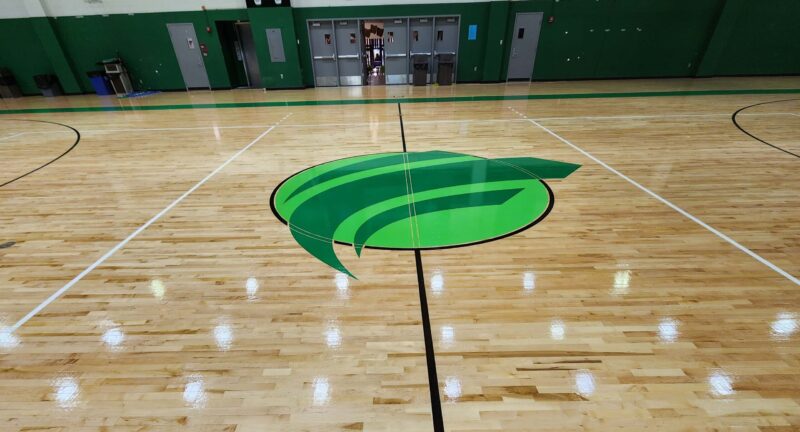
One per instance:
(322, 391)
(720, 384)
(223, 335)
(342, 286)
(194, 393)
(333, 336)
(217, 135)
(622, 283)
(66, 392)
(557, 329)
(784, 326)
(8, 340)
(584, 383)
(251, 286)
(113, 338)
(668, 330)
(528, 282)
(452, 388)
(437, 282)
(448, 336)
(158, 289)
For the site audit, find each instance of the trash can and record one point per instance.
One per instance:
(100, 82)
(48, 84)
(444, 69)
(420, 62)
(8, 85)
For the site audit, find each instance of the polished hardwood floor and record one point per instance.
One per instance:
(617, 312)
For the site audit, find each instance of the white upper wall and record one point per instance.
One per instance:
(57, 8)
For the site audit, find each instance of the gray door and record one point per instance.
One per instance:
(445, 39)
(524, 42)
(420, 41)
(348, 50)
(187, 50)
(323, 53)
(249, 55)
(395, 46)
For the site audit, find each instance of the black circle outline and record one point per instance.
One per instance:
(75, 144)
(738, 126)
(540, 218)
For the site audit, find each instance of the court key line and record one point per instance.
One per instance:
(53, 297)
(668, 203)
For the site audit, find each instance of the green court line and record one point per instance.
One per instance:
(403, 100)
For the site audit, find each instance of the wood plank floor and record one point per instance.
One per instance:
(615, 312)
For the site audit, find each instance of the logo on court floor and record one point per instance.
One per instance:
(415, 200)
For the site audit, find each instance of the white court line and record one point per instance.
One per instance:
(669, 204)
(645, 117)
(132, 235)
(12, 136)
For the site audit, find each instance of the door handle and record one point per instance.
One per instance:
(349, 56)
(395, 55)
(325, 58)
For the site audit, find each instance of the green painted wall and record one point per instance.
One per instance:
(588, 39)
(142, 40)
(22, 53)
(276, 75)
(755, 38)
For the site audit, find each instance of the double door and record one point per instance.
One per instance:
(337, 48)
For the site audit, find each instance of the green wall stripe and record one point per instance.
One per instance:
(405, 100)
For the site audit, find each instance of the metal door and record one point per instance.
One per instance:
(348, 52)
(445, 39)
(524, 43)
(187, 51)
(395, 45)
(249, 55)
(323, 53)
(420, 41)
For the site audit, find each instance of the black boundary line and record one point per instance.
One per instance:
(75, 144)
(430, 356)
(738, 126)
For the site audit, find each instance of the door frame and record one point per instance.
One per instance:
(382, 18)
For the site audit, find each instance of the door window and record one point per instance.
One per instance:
(521, 33)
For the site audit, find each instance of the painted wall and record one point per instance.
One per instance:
(755, 38)
(588, 39)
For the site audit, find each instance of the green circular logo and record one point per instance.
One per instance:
(416, 200)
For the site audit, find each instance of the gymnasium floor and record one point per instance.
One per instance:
(147, 285)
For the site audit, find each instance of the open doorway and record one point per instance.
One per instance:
(374, 53)
(239, 53)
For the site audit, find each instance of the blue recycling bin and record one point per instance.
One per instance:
(101, 83)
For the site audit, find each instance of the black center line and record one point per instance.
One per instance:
(738, 126)
(430, 356)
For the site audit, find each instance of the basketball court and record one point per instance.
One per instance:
(151, 281)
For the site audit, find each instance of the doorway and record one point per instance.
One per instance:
(374, 52)
(239, 53)
(524, 42)
(187, 52)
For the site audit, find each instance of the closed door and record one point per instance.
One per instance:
(420, 41)
(249, 54)
(395, 46)
(524, 43)
(348, 52)
(323, 53)
(445, 40)
(187, 51)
